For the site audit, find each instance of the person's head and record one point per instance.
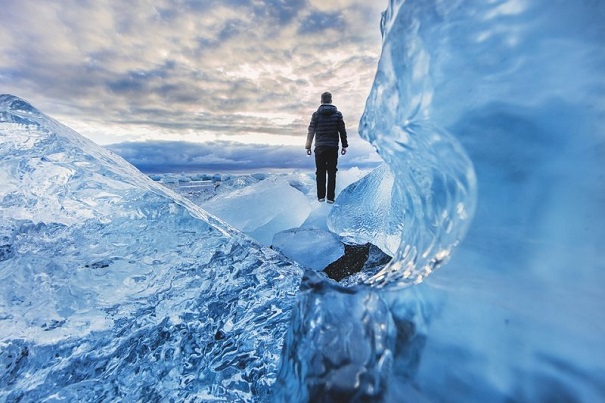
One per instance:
(326, 98)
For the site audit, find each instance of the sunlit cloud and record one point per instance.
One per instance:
(197, 71)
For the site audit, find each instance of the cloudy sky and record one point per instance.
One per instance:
(217, 79)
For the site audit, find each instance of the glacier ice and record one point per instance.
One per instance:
(262, 209)
(115, 288)
(350, 336)
(425, 194)
(263, 206)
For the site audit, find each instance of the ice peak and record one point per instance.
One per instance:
(55, 175)
(12, 103)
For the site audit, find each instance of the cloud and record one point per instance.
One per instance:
(118, 71)
(224, 156)
(318, 21)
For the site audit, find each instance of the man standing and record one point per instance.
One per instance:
(327, 126)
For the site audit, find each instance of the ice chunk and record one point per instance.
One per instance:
(313, 248)
(363, 212)
(339, 347)
(114, 287)
(262, 209)
(425, 213)
(520, 84)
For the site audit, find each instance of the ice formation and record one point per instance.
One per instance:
(520, 85)
(262, 209)
(115, 288)
(425, 197)
(311, 247)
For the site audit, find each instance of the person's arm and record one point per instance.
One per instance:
(311, 133)
(342, 130)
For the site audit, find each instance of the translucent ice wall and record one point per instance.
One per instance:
(419, 206)
(521, 85)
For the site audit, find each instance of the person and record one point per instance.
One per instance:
(327, 127)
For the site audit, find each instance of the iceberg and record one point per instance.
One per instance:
(116, 288)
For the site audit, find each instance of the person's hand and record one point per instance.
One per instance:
(308, 152)
(343, 151)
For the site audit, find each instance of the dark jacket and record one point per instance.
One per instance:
(326, 125)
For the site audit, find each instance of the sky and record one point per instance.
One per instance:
(193, 81)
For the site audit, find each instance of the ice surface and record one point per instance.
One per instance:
(115, 288)
(313, 248)
(427, 210)
(262, 209)
(263, 205)
(270, 207)
(138, 281)
(350, 337)
(362, 218)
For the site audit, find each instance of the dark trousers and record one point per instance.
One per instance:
(326, 159)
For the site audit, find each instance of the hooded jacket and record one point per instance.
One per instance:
(327, 125)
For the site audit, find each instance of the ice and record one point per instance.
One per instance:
(263, 205)
(361, 218)
(115, 288)
(519, 85)
(262, 209)
(312, 247)
(426, 212)
(339, 359)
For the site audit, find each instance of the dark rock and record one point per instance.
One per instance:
(356, 259)
(351, 262)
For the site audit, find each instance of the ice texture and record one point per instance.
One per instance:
(115, 288)
(147, 298)
(263, 206)
(262, 209)
(350, 337)
(311, 247)
(520, 85)
(424, 199)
